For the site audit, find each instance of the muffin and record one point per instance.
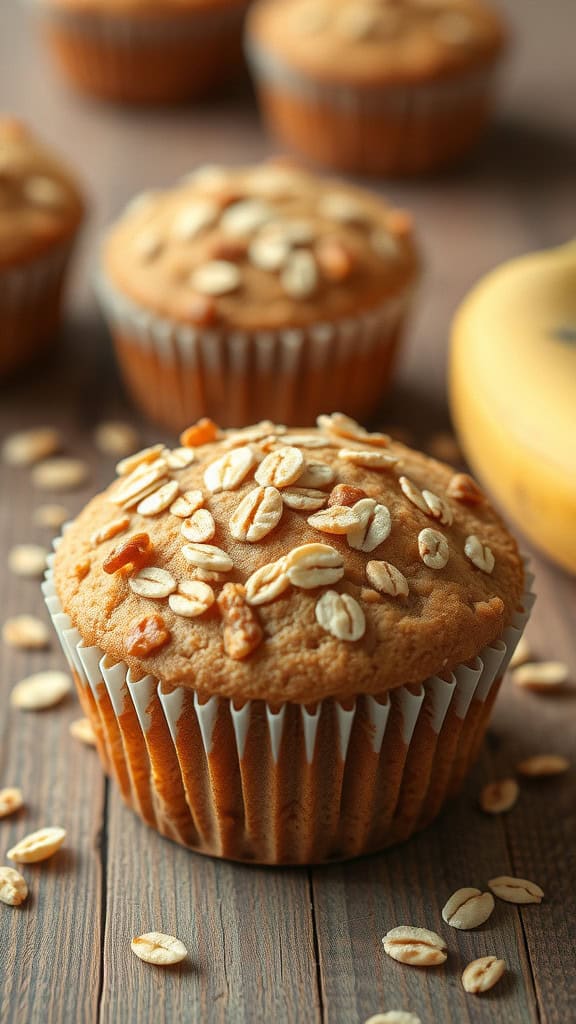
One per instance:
(144, 51)
(376, 87)
(41, 210)
(257, 292)
(288, 643)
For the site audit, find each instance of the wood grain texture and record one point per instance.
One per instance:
(293, 947)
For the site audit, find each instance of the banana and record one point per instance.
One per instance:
(512, 383)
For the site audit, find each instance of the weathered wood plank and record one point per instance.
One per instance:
(49, 947)
(356, 904)
(249, 934)
(541, 830)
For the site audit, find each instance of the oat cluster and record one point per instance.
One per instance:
(286, 478)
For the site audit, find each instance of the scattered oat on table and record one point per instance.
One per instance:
(29, 446)
(500, 796)
(37, 846)
(13, 888)
(482, 974)
(60, 474)
(418, 947)
(11, 800)
(158, 948)
(468, 908)
(50, 516)
(25, 631)
(542, 765)
(41, 690)
(116, 438)
(28, 560)
(541, 677)
(394, 1017)
(81, 729)
(516, 890)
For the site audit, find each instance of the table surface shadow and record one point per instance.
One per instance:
(293, 946)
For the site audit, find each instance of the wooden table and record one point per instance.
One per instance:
(278, 946)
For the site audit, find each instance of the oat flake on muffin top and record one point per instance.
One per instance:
(260, 248)
(289, 565)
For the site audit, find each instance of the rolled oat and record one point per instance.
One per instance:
(314, 565)
(193, 598)
(159, 949)
(257, 515)
(341, 615)
(11, 800)
(41, 690)
(499, 797)
(26, 632)
(153, 583)
(468, 908)
(200, 527)
(60, 474)
(37, 846)
(416, 946)
(13, 888)
(482, 974)
(516, 890)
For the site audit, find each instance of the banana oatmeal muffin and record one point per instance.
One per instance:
(375, 86)
(257, 292)
(41, 209)
(144, 51)
(288, 642)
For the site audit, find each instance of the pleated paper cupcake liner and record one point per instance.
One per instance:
(289, 784)
(177, 373)
(144, 58)
(403, 128)
(30, 306)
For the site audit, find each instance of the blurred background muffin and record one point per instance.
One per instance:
(379, 88)
(41, 209)
(144, 51)
(257, 292)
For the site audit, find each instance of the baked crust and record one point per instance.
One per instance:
(447, 617)
(363, 43)
(331, 251)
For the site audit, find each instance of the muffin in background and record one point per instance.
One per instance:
(288, 642)
(144, 51)
(41, 209)
(257, 292)
(377, 88)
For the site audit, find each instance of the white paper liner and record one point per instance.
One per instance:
(395, 128)
(24, 289)
(370, 723)
(241, 375)
(409, 99)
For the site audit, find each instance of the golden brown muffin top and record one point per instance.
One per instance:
(263, 247)
(378, 41)
(40, 203)
(289, 565)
